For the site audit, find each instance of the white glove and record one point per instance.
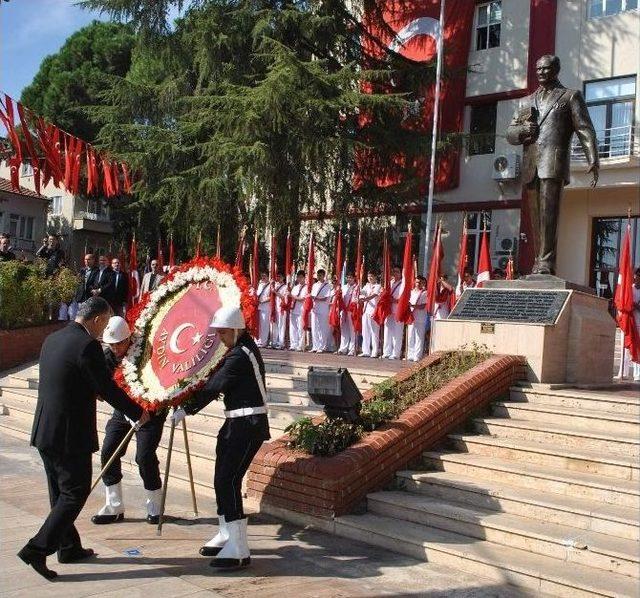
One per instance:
(178, 415)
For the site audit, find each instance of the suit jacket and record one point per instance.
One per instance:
(119, 291)
(105, 284)
(145, 285)
(85, 285)
(72, 372)
(562, 114)
(53, 257)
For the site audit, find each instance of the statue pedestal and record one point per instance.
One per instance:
(565, 332)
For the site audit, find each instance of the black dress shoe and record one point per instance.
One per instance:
(38, 562)
(153, 519)
(230, 563)
(75, 556)
(106, 519)
(210, 550)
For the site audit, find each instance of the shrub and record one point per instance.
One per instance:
(390, 399)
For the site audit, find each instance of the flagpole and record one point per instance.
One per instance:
(434, 138)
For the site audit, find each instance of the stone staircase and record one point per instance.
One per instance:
(542, 493)
(288, 400)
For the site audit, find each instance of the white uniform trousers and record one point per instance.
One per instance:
(264, 321)
(320, 329)
(392, 347)
(441, 311)
(278, 329)
(417, 332)
(370, 336)
(347, 335)
(296, 334)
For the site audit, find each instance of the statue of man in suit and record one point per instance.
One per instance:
(543, 125)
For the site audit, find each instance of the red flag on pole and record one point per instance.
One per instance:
(403, 311)
(28, 141)
(383, 308)
(356, 307)
(510, 273)
(134, 277)
(160, 256)
(254, 262)
(273, 268)
(308, 302)
(484, 262)
(172, 258)
(337, 306)
(126, 179)
(16, 159)
(462, 259)
(435, 270)
(623, 300)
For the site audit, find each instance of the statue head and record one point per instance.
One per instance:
(547, 69)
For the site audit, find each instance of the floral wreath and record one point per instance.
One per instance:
(153, 306)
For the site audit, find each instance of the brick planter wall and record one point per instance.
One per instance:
(330, 486)
(23, 344)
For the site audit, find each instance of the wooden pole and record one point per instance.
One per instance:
(186, 448)
(166, 477)
(124, 442)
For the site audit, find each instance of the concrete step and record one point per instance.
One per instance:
(577, 399)
(613, 491)
(579, 419)
(497, 495)
(560, 435)
(538, 573)
(617, 466)
(540, 537)
(15, 381)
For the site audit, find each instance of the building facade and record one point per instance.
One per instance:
(597, 43)
(83, 224)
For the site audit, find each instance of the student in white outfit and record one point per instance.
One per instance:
(320, 329)
(296, 300)
(417, 330)
(393, 330)
(279, 327)
(444, 292)
(369, 296)
(263, 294)
(347, 334)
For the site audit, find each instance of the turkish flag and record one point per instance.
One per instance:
(623, 300)
(484, 261)
(416, 26)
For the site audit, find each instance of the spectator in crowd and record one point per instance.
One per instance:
(151, 279)
(5, 254)
(103, 285)
(467, 280)
(87, 279)
(120, 289)
(498, 274)
(296, 300)
(369, 296)
(52, 254)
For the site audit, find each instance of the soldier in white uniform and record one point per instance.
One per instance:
(263, 294)
(320, 329)
(279, 327)
(417, 330)
(369, 296)
(392, 347)
(296, 300)
(347, 334)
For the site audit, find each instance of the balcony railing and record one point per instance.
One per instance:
(615, 142)
(98, 217)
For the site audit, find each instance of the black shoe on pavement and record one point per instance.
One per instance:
(230, 563)
(210, 550)
(153, 519)
(106, 519)
(75, 556)
(38, 562)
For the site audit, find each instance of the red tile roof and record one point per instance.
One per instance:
(5, 185)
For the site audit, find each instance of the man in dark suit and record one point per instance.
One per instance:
(103, 285)
(543, 125)
(119, 288)
(87, 278)
(72, 372)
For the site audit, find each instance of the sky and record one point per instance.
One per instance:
(31, 30)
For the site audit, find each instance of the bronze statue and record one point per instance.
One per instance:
(544, 124)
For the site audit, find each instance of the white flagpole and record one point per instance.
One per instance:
(434, 138)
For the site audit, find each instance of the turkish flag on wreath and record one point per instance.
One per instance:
(417, 28)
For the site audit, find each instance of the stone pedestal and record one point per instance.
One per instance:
(571, 342)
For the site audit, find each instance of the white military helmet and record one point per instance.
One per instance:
(228, 317)
(116, 331)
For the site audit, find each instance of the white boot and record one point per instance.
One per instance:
(235, 553)
(113, 510)
(153, 503)
(213, 546)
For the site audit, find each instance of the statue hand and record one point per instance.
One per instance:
(531, 129)
(594, 170)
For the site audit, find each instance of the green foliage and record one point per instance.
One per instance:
(25, 293)
(389, 400)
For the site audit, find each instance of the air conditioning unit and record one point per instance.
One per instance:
(506, 167)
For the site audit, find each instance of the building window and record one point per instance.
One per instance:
(482, 129)
(608, 234)
(611, 104)
(56, 205)
(605, 8)
(476, 221)
(488, 19)
(14, 219)
(27, 169)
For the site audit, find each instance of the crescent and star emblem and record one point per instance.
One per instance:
(173, 341)
(420, 26)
